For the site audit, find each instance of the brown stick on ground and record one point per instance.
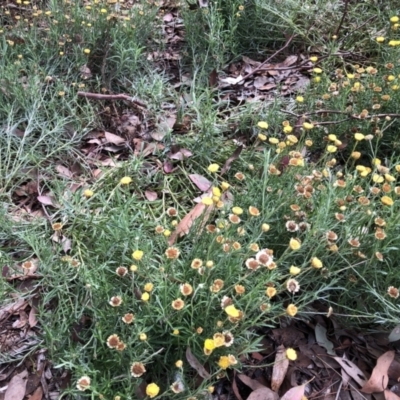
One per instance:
(97, 96)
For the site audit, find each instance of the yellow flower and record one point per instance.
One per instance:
(88, 193)
(143, 337)
(294, 244)
(308, 126)
(356, 155)
(137, 255)
(294, 270)
(126, 180)
(232, 311)
(224, 362)
(273, 140)
(317, 70)
(262, 125)
(262, 137)
(314, 59)
(209, 344)
(394, 19)
(300, 99)
(291, 354)
(148, 287)
(152, 390)
(225, 186)
(213, 168)
(133, 268)
(175, 332)
(387, 201)
(86, 51)
(265, 227)
(179, 364)
(207, 201)
(145, 296)
(291, 310)
(270, 292)
(287, 129)
(331, 149)
(316, 263)
(237, 210)
(359, 136)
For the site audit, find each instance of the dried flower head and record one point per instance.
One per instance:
(219, 339)
(217, 285)
(228, 338)
(172, 253)
(292, 286)
(171, 212)
(57, 226)
(252, 264)
(253, 211)
(270, 292)
(393, 292)
(196, 263)
(113, 341)
(240, 289)
(83, 383)
(177, 387)
(331, 236)
(178, 304)
(121, 271)
(128, 318)
(137, 369)
(186, 289)
(115, 301)
(291, 226)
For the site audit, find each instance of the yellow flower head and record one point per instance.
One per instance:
(207, 201)
(232, 311)
(237, 210)
(213, 168)
(291, 354)
(126, 180)
(224, 362)
(263, 125)
(394, 19)
(152, 390)
(209, 344)
(387, 201)
(88, 193)
(308, 126)
(137, 255)
(294, 270)
(300, 99)
(294, 244)
(145, 296)
(291, 310)
(359, 136)
(287, 129)
(316, 263)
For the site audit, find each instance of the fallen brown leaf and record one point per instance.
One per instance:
(251, 383)
(201, 182)
(150, 195)
(195, 363)
(352, 370)
(187, 221)
(280, 368)
(16, 387)
(379, 378)
(390, 395)
(114, 139)
(37, 394)
(263, 394)
(295, 393)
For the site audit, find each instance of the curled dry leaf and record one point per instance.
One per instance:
(114, 139)
(379, 378)
(280, 368)
(195, 363)
(251, 383)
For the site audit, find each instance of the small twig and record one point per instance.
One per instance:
(97, 96)
(346, 4)
(267, 60)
